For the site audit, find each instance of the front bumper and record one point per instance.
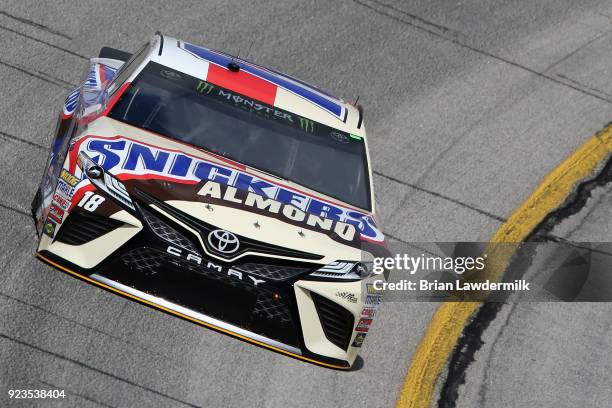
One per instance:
(290, 314)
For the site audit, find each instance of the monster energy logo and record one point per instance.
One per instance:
(307, 125)
(204, 87)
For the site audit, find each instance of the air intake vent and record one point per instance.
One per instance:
(81, 228)
(337, 322)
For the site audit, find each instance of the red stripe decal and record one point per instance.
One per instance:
(243, 82)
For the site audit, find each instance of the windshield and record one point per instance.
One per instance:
(262, 136)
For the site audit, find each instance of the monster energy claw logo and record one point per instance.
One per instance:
(307, 125)
(204, 87)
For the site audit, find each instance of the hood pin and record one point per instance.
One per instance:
(256, 224)
(301, 234)
(209, 207)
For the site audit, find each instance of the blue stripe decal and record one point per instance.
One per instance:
(71, 101)
(291, 85)
(92, 80)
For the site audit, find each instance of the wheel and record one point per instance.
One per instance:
(113, 53)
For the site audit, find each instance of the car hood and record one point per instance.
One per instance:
(226, 195)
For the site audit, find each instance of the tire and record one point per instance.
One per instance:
(113, 53)
(36, 202)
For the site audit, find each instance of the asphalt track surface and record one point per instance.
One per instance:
(563, 348)
(468, 106)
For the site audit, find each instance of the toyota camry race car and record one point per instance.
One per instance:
(219, 191)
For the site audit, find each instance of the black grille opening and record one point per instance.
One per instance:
(337, 322)
(272, 272)
(208, 291)
(80, 228)
(144, 260)
(270, 306)
(163, 230)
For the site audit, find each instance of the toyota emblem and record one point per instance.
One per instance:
(223, 241)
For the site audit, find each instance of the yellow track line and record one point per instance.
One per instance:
(448, 322)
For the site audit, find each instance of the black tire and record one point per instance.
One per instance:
(36, 202)
(113, 53)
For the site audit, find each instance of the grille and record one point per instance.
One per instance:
(165, 231)
(271, 308)
(272, 272)
(81, 228)
(203, 288)
(144, 260)
(337, 322)
(246, 244)
(149, 261)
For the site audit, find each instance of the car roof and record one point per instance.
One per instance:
(258, 82)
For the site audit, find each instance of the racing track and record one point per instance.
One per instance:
(468, 106)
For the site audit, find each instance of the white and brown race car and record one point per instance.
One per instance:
(219, 191)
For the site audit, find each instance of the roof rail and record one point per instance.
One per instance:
(161, 42)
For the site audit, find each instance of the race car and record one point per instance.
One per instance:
(220, 191)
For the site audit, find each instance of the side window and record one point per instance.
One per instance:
(128, 68)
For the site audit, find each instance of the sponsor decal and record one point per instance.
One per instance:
(198, 260)
(373, 300)
(64, 189)
(271, 206)
(363, 325)
(359, 339)
(172, 75)
(237, 188)
(368, 312)
(205, 87)
(249, 97)
(348, 296)
(49, 228)
(60, 201)
(306, 125)
(69, 178)
(371, 289)
(240, 101)
(255, 106)
(339, 137)
(56, 213)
